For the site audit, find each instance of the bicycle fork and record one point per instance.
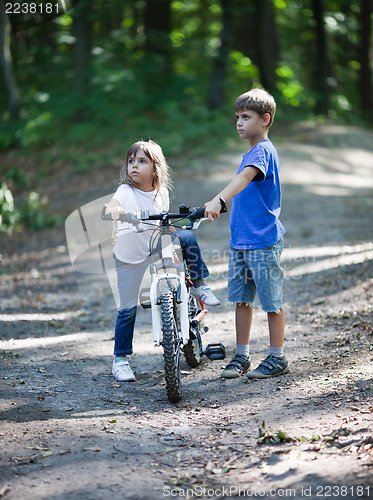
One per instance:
(177, 283)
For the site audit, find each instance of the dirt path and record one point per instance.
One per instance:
(70, 431)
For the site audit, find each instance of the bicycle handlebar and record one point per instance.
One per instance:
(136, 218)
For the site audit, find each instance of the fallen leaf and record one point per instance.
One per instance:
(209, 466)
(92, 448)
(4, 490)
(47, 453)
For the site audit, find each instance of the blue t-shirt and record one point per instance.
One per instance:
(254, 218)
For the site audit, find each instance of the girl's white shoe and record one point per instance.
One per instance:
(122, 371)
(205, 295)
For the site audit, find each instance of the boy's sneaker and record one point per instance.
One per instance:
(238, 366)
(122, 371)
(204, 294)
(270, 367)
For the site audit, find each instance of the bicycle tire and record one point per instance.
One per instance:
(171, 347)
(193, 348)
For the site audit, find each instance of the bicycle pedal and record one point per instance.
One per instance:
(145, 298)
(215, 351)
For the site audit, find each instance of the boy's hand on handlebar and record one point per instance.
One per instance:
(115, 212)
(212, 209)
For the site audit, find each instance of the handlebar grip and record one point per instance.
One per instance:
(104, 215)
(197, 213)
(224, 208)
(126, 217)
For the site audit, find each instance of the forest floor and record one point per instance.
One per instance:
(69, 430)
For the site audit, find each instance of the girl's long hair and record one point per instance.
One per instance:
(154, 152)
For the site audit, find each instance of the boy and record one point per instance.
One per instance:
(256, 236)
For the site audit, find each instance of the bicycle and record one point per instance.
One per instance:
(176, 315)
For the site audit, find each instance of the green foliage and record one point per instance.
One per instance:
(9, 132)
(265, 436)
(17, 176)
(35, 129)
(296, 74)
(32, 214)
(121, 107)
(134, 94)
(8, 216)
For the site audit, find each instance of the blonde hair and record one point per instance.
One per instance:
(257, 100)
(162, 171)
(154, 152)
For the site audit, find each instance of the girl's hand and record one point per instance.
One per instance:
(212, 209)
(116, 212)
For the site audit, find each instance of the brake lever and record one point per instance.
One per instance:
(197, 223)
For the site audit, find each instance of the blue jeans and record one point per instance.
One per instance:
(252, 272)
(124, 331)
(129, 277)
(192, 255)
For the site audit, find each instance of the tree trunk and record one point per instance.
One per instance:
(266, 44)
(157, 27)
(365, 59)
(157, 63)
(216, 94)
(243, 27)
(256, 30)
(82, 29)
(6, 60)
(321, 59)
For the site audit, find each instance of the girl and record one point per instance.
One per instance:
(145, 181)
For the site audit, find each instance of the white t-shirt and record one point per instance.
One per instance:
(130, 246)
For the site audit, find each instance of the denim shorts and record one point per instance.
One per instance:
(256, 272)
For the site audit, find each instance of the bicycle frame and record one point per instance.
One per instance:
(170, 270)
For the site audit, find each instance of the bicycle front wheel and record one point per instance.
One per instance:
(171, 347)
(193, 348)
